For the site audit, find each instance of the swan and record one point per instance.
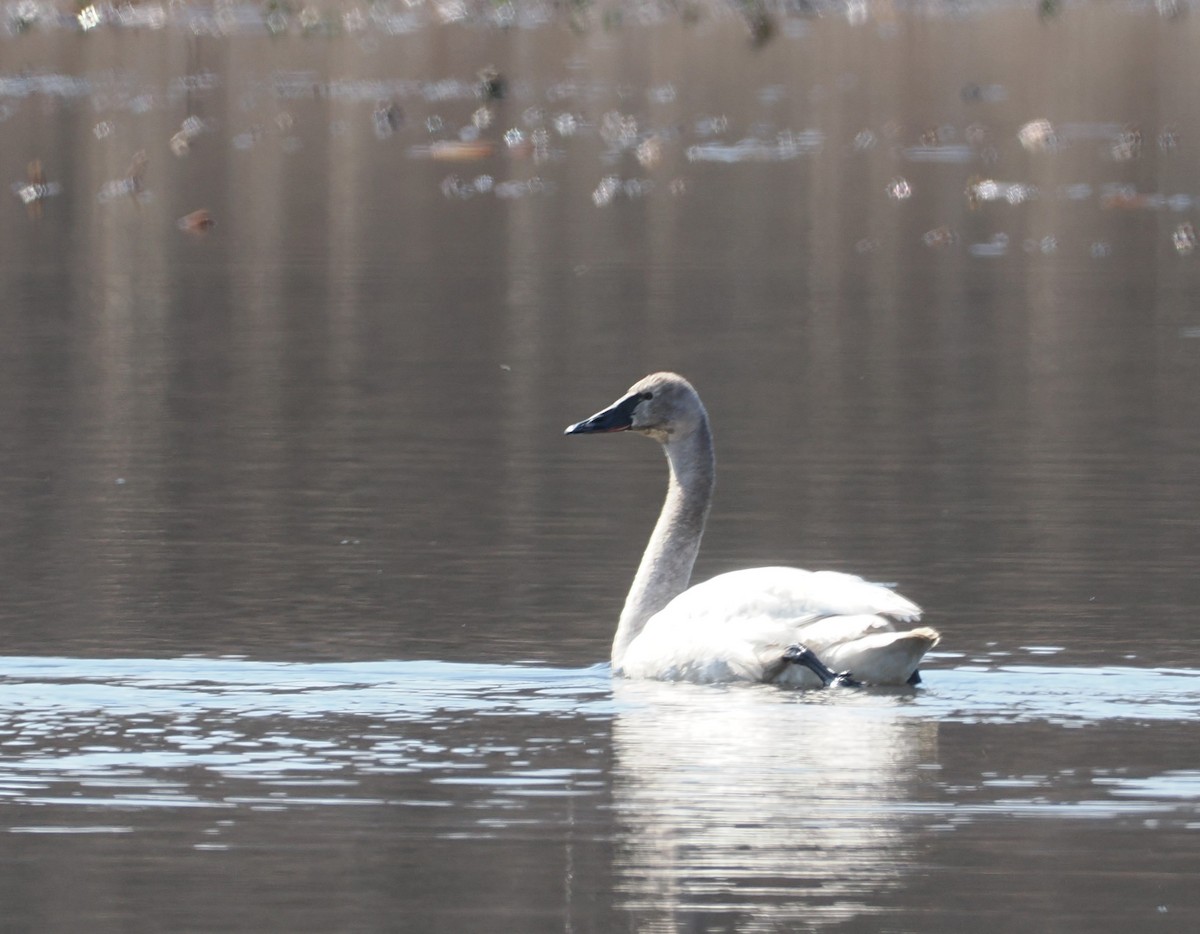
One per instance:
(771, 624)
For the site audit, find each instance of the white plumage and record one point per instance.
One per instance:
(737, 626)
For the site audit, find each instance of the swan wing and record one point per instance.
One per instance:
(736, 626)
(792, 595)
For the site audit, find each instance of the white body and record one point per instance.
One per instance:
(736, 626)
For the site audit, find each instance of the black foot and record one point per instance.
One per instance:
(803, 655)
(914, 679)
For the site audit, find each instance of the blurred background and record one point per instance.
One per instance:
(297, 300)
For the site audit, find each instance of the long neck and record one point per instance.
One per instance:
(666, 566)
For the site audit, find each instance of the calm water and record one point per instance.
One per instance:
(306, 598)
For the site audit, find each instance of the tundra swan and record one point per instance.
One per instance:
(773, 624)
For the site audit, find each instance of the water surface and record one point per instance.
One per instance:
(379, 791)
(307, 599)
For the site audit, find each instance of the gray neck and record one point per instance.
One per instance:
(666, 566)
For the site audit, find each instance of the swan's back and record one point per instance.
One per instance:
(789, 594)
(736, 626)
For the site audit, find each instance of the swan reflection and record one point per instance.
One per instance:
(748, 807)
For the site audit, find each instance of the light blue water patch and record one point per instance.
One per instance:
(202, 732)
(130, 687)
(418, 690)
(1182, 785)
(233, 734)
(1061, 695)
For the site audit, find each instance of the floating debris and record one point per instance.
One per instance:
(934, 136)
(540, 140)
(25, 15)
(759, 24)
(454, 187)
(996, 247)
(89, 17)
(619, 130)
(482, 118)
(117, 188)
(953, 154)
(454, 150)
(457, 189)
(566, 124)
(711, 126)
(864, 140)
(1184, 239)
(611, 187)
(181, 142)
(649, 152)
(606, 191)
(940, 237)
(1127, 146)
(197, 223)
(1038, 136)
(387, 118)
(511, 190)
(989, 189)
(1046, 245)
(309, 19)
(35, 189)
(898, 189)
(492, 86)
(132, 185)
(785, 147)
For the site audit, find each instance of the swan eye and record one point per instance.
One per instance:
(646, 396)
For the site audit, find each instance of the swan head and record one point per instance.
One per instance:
(662, 406)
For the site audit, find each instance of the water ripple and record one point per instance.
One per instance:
(229, 732)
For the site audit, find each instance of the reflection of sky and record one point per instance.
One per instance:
(714, 786)
(1061, 695)
(196, 732)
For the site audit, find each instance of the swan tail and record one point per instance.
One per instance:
(883, 658)
(926, 637)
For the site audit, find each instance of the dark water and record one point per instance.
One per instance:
(306, 598)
